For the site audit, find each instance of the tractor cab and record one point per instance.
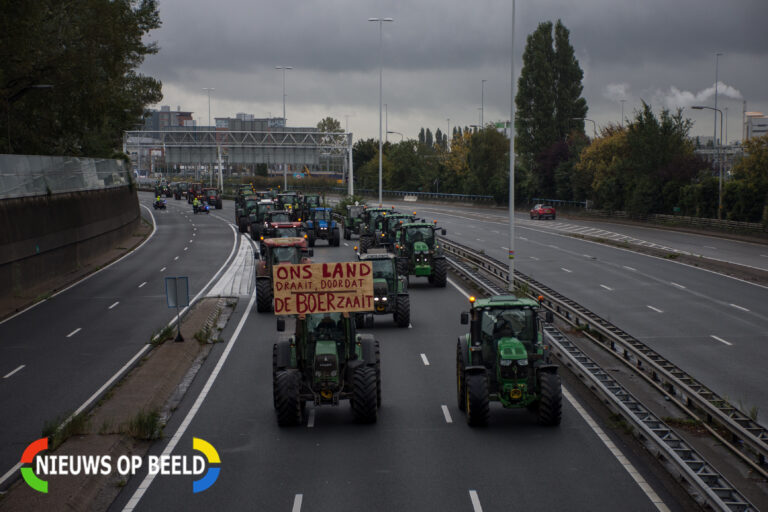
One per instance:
(371, 224)
(273, 217)
(390, 225)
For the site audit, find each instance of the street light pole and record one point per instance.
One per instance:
(397, 133)
(448, 134)
(512, 157)
(283, 68)
(719, 156)
(594, 125)
(381, 70)
(622, 112)
(714, 137)
(482, 102)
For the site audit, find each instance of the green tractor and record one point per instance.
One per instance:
(390, 290)
(390, 225)
(325, 361)
(353, 220)
(370, 226)
(243, 208)
(503, 359)
(419, 253)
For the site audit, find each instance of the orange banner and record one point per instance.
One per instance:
(323, 288)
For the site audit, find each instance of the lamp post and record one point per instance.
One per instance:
(448, 134)
(512, 155)
(714, 136)
(594, 125)
(719, 156)
(283, 68)
(381, 69)
(482, 102)
(397, 133)
(622, 112)
(386, 123)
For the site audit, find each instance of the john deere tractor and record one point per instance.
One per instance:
(419, 253)
(370, 227)
(390, 290)
(503, 359)
(320, 225)
(390, 225)
(325, 361)
(276, 251)
(243, 208)
(353, 220)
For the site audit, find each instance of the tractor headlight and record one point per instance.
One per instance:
(384, 299)
(334, 373)
(505, 362)
(375, 299)
(522, 362)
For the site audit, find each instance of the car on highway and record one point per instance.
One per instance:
(543, 211)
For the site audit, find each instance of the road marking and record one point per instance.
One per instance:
(522, 238)
(447, 414)
(479, 239)
(553, 246)
(607, 287)
(476, 506)
(637, 477)
(721, 340)
(74, 332)
(655, 309)
(566, 270)
(14, 371)
(709, 247)
(630, 268)
(176, 258)
(764, 255)
(142, 284)
(297, 503)
(534, 258)
(194, 234)
(586, 255)
(740, 307)
(311, 418)
(424, 358)
(114, 305)
(678, 285)
(190, 241)
(346, 244)
(186, 248)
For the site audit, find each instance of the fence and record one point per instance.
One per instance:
(31, 175)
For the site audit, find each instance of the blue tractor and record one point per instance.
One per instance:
(320, 225)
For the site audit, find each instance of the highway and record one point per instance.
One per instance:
(56, 355)
(420, 455)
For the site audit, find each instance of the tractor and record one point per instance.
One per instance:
(419, 254)
(390, 290)
(276, 251)
(308, 202)
(390, 224)
(320, 225)
(289, 201)
(325, 361)
(503, 359)
(213, 197)
(194, 190)
(243, 208)
(283, 230)
(256, 217)
(370, 226)
(353, 220)
(270, 218)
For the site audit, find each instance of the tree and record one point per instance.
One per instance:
(439, 140)
(362, 152)
(329, 125)
(488, 160)
(88, 51)
(428, 138)
(421, 136)
(547, 101)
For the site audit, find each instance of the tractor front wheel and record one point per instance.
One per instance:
(403, 311)
(439, 272)
(288, 397)
(263, 296)
(364, 397)
(461, 383)
(551, 401)
(477, 401)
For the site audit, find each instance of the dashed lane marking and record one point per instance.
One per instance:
(186, 248)
(142, 284)
(630, 268)
(447, 414)
(163, 269)
(176, 258)
(7, 375)
(606, 287)
(721, 340)
(677, 285)
(74, 332)
(740, 307)
(566, 270)
(655, 309)
(297, 503)
(476, 506)
(534, 258)
(424, 359)
(114, 305)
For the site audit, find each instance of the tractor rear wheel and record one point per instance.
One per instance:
(551, 401)
(242, 224)
(347, 233)
(477, 401)
(402, 266)
(365, 243)
(440, 272)
(364, 395)
(274, 375)
(403, 311)
(311, 238)
(378, 373)
(461, 383)
(336, 239)
(263, 296)
(288, 397)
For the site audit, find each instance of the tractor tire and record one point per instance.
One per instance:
(219, 204)
(336, 238)
(311, 239)
(242, 224)
(263, 296)
(461, 383)
(288, 397)
(274, 375)
(402, 266)
(347, 234)
(477, 401)
(365, 243)
(364, 396)
(551, 401)
(403, 311)
(439, 272)
(378, 373)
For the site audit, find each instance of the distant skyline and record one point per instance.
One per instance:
(437, 53)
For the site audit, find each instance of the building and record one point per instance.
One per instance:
(756, 125)
(165, 119)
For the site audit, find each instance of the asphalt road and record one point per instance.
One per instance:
(54, 356)
(420, 455)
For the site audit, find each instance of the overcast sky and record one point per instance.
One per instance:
(436, 53)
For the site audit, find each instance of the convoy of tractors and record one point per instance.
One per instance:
(503, 358)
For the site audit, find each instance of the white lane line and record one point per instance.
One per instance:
(134, 501)
(522, 238)
(74, 332)
(566, 270)
(424, 359)
(16, 370)
(346, 244)
(176, 258)
(764, 255)
(163, 269)
(553, 246)
(637, 477)
(655, 309)
(606, 287)
(476, 506)
(479, 239)
(709, 247)
(630, 268)
(194, 234)
(721, 340)
(114, 305)
(447, 414)
(586, 255)
(504, 248)
(297, 503)
(190, 241)
(186, 248)
(142, 284)
(534, 258)
(677, 285)
(311, 418)
(740, 307)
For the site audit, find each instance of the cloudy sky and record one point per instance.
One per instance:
(437, 52)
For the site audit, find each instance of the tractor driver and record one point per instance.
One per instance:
(327, 328)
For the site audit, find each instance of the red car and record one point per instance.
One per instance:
(543, 211)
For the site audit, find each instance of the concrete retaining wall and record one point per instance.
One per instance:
(44, 237)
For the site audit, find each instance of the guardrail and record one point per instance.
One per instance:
(746, 438)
